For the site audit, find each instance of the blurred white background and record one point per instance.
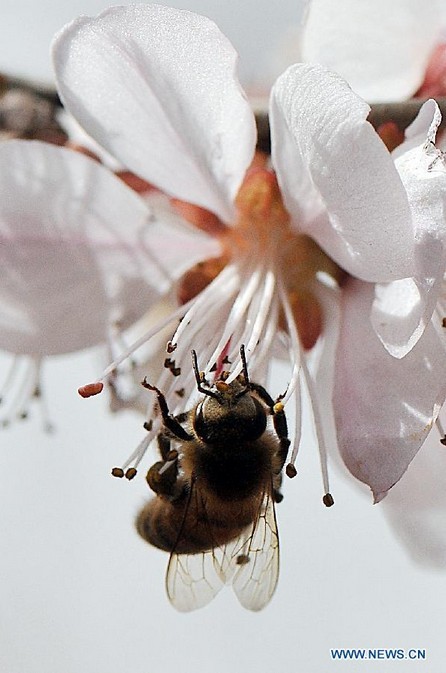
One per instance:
(81, 593)
(255, 27)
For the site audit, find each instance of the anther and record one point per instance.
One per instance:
(117, 472)
(91, 389)
(148, 425)
(328, 500)
(291, 471)
(278, 408)
(221, 386)
(180, 392)
(170, 347)
(131, 473)
(172, 455)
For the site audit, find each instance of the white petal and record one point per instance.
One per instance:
(381, 48)
(78, 250)
(157, 88)
(416, 506)
(338, 180)
(402, 309)
(384, 407)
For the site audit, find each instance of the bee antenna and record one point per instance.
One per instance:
(244, 365)
(200, 379)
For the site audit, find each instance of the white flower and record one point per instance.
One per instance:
(156, 87)
(381, 49)
(80, 256)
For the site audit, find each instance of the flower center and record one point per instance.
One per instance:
(263, 232)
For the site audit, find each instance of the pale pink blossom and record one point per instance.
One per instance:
(382, 49)
(157, 88)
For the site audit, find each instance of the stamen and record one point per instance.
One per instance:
(208, 300)
(328, 500)
(258, 313)
(129, 468)
(174, 315)
(440, 428)
(12, 372)
(91, 389)
(317, 416)
(295, 348)
(293, 388)
(21, 388)
(243, 299)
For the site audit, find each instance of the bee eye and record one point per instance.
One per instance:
(201, 427)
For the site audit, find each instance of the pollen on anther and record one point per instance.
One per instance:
(91, 389)
(171, 347)
(172, 455)
(278, 408)
(117, 472)
(131, 473)
(290, 471)
(328, 500)
(221, 386)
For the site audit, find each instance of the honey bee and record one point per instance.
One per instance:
(215, 494)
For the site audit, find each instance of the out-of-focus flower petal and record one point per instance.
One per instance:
(384, 407)
(338, 180)
(382, 51)
(416, 506)
(78, 250)
(402, 309)
(434, 83)
(157, 88)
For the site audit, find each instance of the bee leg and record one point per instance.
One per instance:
(163, 445)
(281, 428)
(279, 421)
(170, 422)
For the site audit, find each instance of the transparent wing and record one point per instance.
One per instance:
(257, 560)
(192, 580)
(251, 561)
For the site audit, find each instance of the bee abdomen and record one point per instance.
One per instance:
(159, 523)
(164, 525)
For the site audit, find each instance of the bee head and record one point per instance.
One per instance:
(229, 411)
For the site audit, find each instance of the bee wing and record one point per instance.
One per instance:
(193, 580)
(257, 560)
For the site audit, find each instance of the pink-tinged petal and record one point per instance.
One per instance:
(157, 88)
(434, 83)
(384, 407)
(78, 250)
(338, 179)
(382, 50)
(402, 309)
(416, 506)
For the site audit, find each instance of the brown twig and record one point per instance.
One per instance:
(401, 113)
